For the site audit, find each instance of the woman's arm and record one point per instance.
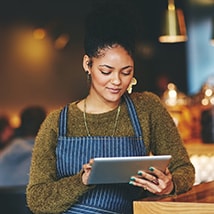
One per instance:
(161, 137)
(46, 193)
(168, 141)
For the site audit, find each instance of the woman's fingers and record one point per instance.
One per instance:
(155, 181)
(86, 171)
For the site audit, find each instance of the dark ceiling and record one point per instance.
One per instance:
(68, 11)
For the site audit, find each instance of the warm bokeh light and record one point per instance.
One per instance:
(212, 100)
(208, 92)
(15, 121)
(205, 102)
(31, 50)
(39, 33)
(61, 41)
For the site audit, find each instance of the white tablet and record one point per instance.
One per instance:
(120, 169)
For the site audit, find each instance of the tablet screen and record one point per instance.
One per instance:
(120, 169)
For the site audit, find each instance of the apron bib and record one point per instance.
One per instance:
(73, 152)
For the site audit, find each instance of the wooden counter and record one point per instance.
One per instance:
(199, 200)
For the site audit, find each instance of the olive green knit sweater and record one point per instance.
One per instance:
(46, 194)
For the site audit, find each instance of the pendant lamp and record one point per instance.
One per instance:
(173, 26)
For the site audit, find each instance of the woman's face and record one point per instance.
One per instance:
(111, 73)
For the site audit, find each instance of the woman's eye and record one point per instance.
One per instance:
(105, 72)
(126, 73)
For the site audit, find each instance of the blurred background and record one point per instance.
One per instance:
(41, 50)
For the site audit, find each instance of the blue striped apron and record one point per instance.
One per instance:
(73, 152)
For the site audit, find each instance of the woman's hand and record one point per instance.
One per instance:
(87, 169)
(155, 181)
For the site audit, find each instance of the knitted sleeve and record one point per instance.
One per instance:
(162, 137)
(45, 193)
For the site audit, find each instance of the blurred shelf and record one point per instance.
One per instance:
(197, 147)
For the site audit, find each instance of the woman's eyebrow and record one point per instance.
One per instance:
(108, 66)
(128, 66)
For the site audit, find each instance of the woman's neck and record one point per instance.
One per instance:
(96, 106)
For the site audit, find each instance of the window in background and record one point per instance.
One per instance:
(200, 52)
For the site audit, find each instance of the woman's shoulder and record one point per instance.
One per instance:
(145, 96)
(147, 101)
(54, 114)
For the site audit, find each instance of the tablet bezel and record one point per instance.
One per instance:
(119, 169)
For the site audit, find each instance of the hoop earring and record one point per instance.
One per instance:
(133, 82)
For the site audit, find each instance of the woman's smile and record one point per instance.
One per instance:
(114, 90)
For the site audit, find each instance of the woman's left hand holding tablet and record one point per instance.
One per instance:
(155, 181)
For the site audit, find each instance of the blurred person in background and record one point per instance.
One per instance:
(15, 159)
(6, 132)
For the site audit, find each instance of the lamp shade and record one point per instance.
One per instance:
(173, 26)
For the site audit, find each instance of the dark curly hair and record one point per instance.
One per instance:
(106, 27)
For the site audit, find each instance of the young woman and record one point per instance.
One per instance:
(106, 123)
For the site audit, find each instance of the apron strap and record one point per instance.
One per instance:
(63, 121)
(133, 116)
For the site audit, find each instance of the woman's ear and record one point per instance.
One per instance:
(86, 61)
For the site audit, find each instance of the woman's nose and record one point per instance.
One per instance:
(116, 80)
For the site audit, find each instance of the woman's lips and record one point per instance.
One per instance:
(114, 90)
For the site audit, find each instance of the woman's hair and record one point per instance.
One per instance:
(107, 27)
